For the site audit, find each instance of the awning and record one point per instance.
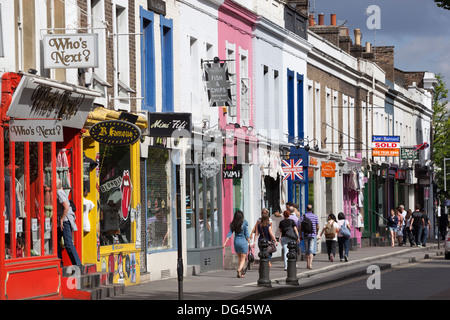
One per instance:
(102, 114)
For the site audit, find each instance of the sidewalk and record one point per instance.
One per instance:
(224, 285)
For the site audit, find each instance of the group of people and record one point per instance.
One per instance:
(291, 228)
(402, 226)
(409, 225)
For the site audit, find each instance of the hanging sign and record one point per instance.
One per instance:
(37, 98)
(165, 124)
(328, 169)
(292, 169)
(209, 167)
(63, 51)
(218, 84)
(35, 131)
(115, 132)
(409, 154)
(385, 146)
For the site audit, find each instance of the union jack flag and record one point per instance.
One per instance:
(292, 170)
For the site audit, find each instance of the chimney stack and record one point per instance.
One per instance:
(311, 20)
(357, 37)
(321, 19)
(368, 47)
(333, 19)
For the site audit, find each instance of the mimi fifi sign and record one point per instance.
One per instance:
(115, 132)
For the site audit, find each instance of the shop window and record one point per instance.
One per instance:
(29, 198)
(160, 213)
(115, 195)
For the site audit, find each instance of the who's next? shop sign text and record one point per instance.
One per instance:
(385, 146)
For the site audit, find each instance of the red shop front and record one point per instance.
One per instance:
(40, 142)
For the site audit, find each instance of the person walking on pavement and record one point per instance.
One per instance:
(253, 233)
(264, 231)
(309, 235)
(239, 227)
(399, 215)
(392, 226)
(426, 228)
(343, 242)
(66, 224)
(331, 229)
(417, 224)
(403, 212)
(408, 233)
(289, 232)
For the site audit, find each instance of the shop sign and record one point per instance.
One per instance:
(218, 84)
(292, 169)
(36, 131)
(328, 169)
(63, 51)
(165, 124)
(37, 98)
(231, 170)
(409, 154)
(209, 167)
(115, 132)
(385, 146)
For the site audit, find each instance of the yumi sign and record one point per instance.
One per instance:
(385, 146)
(63, 51)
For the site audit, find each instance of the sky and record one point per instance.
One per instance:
(418, 29)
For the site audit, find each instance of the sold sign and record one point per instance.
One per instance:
(385, 146)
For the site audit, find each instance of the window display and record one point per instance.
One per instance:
(159, 213)
(115, 195)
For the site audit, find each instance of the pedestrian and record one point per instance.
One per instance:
(276, 217)
(408, 233)
(426, 228)
(400, 226)
(265, 232)
(392, 226)
(289, 233)
(343, 242)
(239, 226)
(253, 233)
(66, 224)
(310, 236)
(417, 224)
(403, 212)
(331, 228)
(291, 208)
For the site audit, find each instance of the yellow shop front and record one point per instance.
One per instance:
(111, 180)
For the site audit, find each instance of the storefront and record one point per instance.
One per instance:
(41, 123)
(353, 196)
(111, 158)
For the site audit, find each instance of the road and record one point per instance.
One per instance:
(422, 280)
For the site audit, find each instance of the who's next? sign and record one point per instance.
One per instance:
(64, 51)
(385, 146)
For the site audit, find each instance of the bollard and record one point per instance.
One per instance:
(263, 280)
(292, 264)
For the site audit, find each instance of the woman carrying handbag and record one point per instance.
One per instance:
(264, 230)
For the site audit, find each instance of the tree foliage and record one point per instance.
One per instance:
(441, 129)
(443, 4)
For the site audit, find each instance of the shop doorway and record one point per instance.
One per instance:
(203, 219)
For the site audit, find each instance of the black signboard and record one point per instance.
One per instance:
(157, 6)
(115, 132)
(164, 124)
(231, 170)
